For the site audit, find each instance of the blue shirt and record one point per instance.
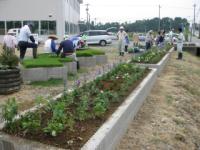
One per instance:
(53, 46)
(67, 46)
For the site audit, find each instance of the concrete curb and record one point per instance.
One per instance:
(110, 133)
(101, 59)
(160, 65)
(87, 61)
(44, 74)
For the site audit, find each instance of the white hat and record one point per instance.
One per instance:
(122, 28)
(66, 37)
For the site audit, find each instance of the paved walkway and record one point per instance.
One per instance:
(170, 117)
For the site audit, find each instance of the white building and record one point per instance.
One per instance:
(48, 16)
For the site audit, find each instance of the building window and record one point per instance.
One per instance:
(2, 27)
(35, 25)
(66, 27)
(13, 24)
(48, 27)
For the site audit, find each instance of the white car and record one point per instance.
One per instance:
(100, 37)
(15, 32)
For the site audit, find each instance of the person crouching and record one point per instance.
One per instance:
(50, 44)
(68, 50)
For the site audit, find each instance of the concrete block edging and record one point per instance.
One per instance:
(110, 133)
(46, 73)
(161, 64)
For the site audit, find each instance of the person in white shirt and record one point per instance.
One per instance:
(24, 36)
(149, 40)
(50, 44)
(121, 40)
(180, 41)
(9, 42)
(171, 36)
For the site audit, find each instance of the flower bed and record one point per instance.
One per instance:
(74, 118)
(152, 56)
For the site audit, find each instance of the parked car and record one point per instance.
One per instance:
(100, 37)
(112, 35)
(15, 32)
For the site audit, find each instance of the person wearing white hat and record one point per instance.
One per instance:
(9, 42)
(121, 40)
(50, 44)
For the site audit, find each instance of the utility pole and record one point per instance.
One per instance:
(199, 29)
(87, 13)
(194, 19)
(159, 18)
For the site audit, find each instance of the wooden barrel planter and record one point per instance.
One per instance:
(10, 81)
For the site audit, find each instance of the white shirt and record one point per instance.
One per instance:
(47, 46)
(180, 41)
(10, 41)
(25, 33)
(121, 35)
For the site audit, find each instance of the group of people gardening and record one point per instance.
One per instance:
(123, 40)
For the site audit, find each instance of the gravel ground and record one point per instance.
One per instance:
(28, 93)
(170, 117)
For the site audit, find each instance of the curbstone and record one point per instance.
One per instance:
(109, 134)
(87, 61)
(101, 59)
(44, 74)
(41, 74)
(160, 65)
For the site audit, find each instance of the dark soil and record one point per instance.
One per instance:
(74, 140)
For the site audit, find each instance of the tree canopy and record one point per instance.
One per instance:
(141, 25)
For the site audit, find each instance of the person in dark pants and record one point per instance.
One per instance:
(68, 49)
(24, 36)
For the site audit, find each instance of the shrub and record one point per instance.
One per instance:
(9, 111)
(8, 59)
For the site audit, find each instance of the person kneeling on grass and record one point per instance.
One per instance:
(50, 44)
(68, 50)
(24, 36)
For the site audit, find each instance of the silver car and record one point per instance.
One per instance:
(100, 37)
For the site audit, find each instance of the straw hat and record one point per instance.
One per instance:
(53, 37)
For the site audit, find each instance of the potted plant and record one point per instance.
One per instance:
(10, 78)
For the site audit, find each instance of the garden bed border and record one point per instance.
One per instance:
(110, 133)
(161, 64)
(46, 73)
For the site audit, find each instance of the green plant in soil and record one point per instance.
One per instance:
(101, 104)
(82, 108)
(31, 122)
(8, 59)
(91, 101)
(153, 55)
(9, 112)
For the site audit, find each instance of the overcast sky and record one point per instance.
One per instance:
(131, 10)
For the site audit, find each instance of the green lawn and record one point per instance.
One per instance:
(51, 60)
(46, 60)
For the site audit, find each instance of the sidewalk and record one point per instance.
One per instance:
(170, 117)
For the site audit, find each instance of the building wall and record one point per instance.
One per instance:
(61, 12)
